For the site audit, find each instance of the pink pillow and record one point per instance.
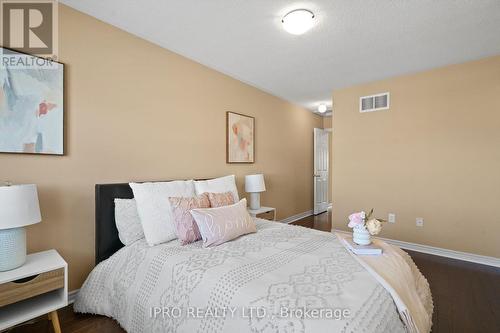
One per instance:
(221, 199)
(222, 224)
(186, 229)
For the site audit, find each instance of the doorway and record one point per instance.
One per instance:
(321, 169)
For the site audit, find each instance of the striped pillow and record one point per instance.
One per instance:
(221, 199)
(186, 228)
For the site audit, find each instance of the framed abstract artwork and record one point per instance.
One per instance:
(31, 104)
(240, 136)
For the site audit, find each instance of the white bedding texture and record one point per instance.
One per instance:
(281, 279)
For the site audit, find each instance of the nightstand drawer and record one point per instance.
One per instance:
(15, 291)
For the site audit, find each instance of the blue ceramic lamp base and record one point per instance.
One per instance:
(12, 248)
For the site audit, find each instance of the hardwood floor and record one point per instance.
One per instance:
(466, 296)
(71, 323)
(321, 222)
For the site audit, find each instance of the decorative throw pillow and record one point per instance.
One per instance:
(187, 230)
(218, 185)
(154, 208)
(221, 199)
(128, 221)
(222, 224)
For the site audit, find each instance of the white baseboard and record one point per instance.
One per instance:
(464, 256)
(297, 217)
(72, 296)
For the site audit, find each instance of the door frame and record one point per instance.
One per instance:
(323, 207)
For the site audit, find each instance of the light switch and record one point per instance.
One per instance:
(392, 218)
(420, 221)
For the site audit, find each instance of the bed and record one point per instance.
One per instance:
(282, 278)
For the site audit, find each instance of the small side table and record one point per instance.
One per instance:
(262, 210)
(38, 287)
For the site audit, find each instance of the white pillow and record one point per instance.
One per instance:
(218, 185)
(128, 221)
(154, 208)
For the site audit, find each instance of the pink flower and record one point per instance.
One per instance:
(356, 218)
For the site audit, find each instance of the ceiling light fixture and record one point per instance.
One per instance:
(322, 108)
(298, 21)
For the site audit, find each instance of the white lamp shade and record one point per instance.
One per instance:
(255, 183)
(19, 206)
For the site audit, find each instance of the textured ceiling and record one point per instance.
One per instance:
(354, 41)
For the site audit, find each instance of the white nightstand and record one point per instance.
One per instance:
(262, 210)
(38, 287)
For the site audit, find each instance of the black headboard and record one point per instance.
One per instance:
(106, 234)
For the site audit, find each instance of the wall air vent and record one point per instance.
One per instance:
(374, 102)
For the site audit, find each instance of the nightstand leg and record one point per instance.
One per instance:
(54, 318)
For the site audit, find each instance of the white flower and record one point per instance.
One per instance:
(374, 226)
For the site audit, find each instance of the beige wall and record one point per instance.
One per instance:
(435, 154)
(135, 111)
(327, 122)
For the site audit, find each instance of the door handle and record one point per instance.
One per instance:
(317, 176)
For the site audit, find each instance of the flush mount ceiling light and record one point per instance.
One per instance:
(298, 21)
(322, 108)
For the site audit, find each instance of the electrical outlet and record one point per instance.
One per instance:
(419, 221)
(392, 218)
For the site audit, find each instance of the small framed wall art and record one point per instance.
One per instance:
(240, 138)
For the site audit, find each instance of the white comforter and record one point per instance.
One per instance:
(281, 279)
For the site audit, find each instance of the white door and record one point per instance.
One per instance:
(321, 159)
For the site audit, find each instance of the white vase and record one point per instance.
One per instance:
(361, 236)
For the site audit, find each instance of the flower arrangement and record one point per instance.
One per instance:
(373, 225)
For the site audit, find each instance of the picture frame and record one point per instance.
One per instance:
(32, 106)
(240, 138)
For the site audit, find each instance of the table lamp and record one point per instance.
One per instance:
(254, 184)
(19, 207)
